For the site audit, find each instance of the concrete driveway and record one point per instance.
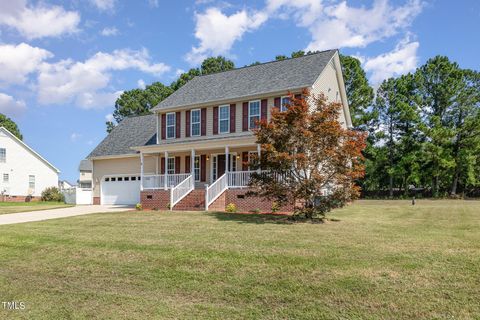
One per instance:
(40, 215)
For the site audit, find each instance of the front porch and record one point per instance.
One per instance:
(175, 174)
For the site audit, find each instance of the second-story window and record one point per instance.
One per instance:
(170, 125)
(224, 119)
(253, 113)
(284, 103)
(195, 122)
(3, 155)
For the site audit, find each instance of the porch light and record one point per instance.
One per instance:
(238, 156)
(208, 158)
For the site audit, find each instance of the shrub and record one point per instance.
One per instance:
(231, 208)
(168, 206)
(139, 207)
(275, 206)
(52, 194)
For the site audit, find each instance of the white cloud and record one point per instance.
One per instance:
(11, 107)
(104, 5)
(338, 25)
(217, 32)
(109, 31)
(153, 3)
(401, 60)
(109, 117)
(345, 26)
(86, 84)
(75, 136)
(38, 21)
(18, 61)
(141, 84)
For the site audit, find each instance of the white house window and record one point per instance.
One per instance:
(6, 178)
(253, 113)
(3, 155)
(284, 102)
(224, 119)
(195, 122)
(171, 165)
(31, 182)
(196, 168)
(170, 125)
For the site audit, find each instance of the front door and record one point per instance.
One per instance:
(220, 165)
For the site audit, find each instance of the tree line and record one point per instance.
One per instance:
(423, 127)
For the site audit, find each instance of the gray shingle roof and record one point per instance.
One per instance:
(85, 165)
(131, 132)
(258, 79)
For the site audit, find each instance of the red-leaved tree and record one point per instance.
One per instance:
(308, 157)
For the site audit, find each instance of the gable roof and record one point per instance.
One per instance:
(24, 145)
(85, 165)
(274, 76)
(131, 132)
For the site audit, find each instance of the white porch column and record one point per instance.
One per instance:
(258, 155)
(165, 186)
(156, 164)
(141, 171)
(227, 159)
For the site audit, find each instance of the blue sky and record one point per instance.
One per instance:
(63, 63)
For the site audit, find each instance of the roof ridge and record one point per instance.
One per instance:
(264, 63)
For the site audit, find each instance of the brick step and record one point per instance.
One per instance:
(194, 201)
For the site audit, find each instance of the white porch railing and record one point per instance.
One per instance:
(157, 181)
(239, 179)
(213, 191)
(153, 182)
(179, 192)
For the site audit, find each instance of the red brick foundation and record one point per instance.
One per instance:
(18, 198)
(246, 203)
(155, 199)
(194, 201)
(96, 201)
(219, 204)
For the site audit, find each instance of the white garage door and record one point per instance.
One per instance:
(120, 190)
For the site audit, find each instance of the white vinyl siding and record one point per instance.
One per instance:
(195, 119)
(224, 119)
(171, 124)
(253, 113)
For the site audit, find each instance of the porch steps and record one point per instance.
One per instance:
(194, 201)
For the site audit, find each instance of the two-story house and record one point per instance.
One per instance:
(24, 174)
(193, 152)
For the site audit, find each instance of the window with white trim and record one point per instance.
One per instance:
(171, 165)
(253, 113)
(224, 119)
(3, 155)
(195, 122)
(31, 182)
(284, 103)
(171, 123)
(196, 168)
(6, 178)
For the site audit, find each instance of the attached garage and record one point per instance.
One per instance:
(120, 190)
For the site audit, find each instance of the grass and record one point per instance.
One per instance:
(382, 260)
(14, 207)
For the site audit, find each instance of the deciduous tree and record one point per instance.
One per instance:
(310, 158)
(10, 125)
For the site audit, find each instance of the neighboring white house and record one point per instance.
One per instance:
(23, 172)
(85, 179)
(64, 184)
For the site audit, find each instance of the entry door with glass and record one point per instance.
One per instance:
(218, 165)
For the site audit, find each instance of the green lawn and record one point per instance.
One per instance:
(13, 207)
(382, 260)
